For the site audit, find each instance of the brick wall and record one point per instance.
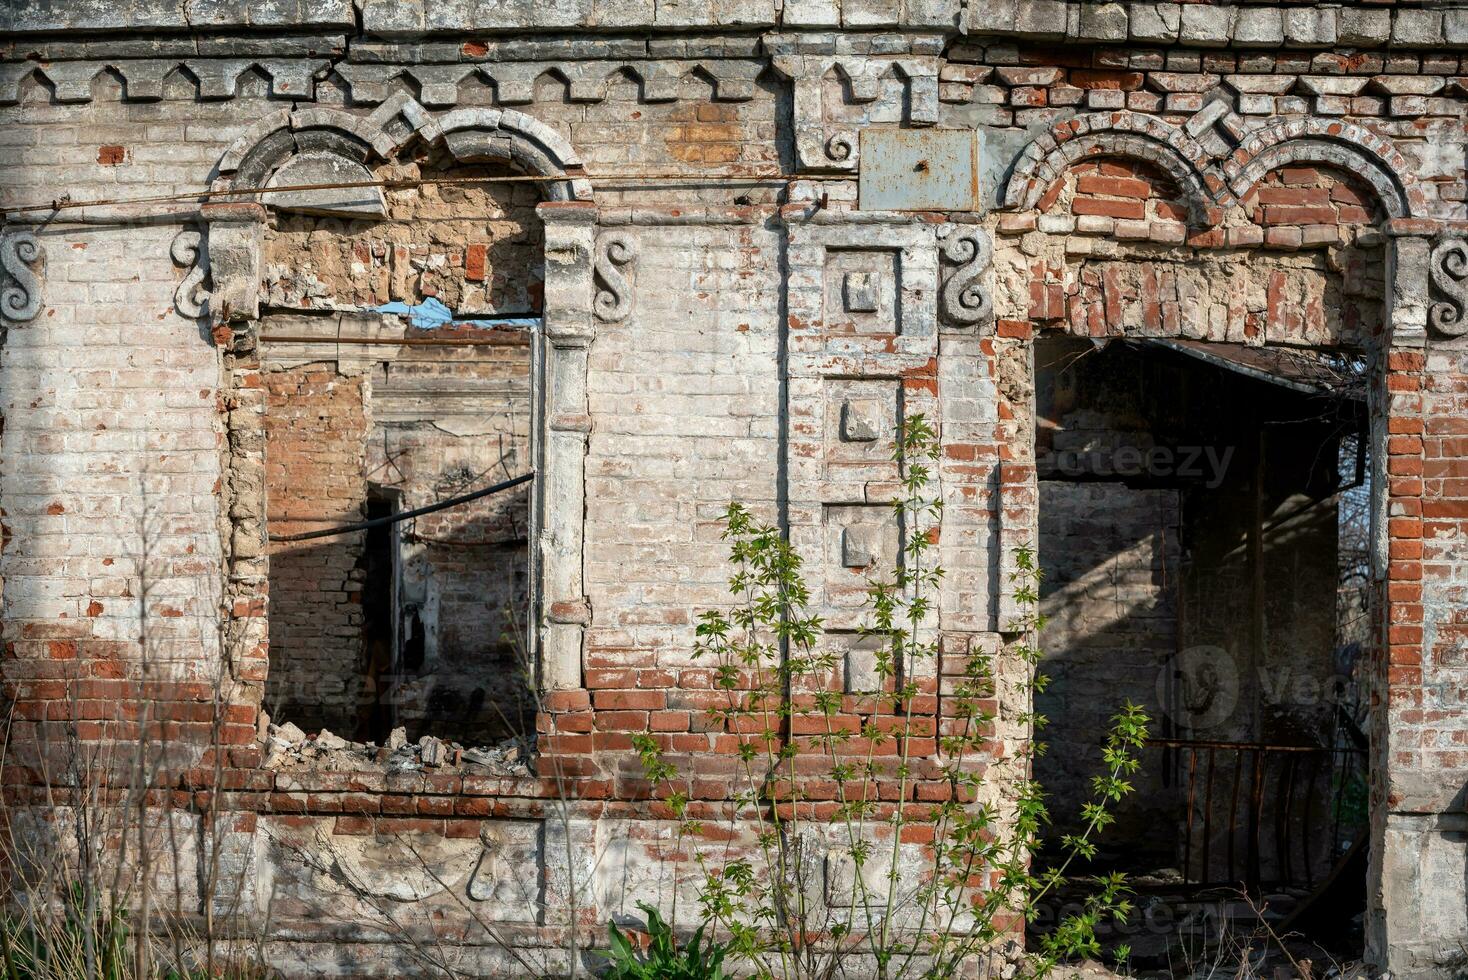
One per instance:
(316, 427)
(1324, 287)
(111, 569)
(1111, 556)
(114, 405)
(671, 449)
(475, 248)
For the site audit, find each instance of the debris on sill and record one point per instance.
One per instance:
(288, 747)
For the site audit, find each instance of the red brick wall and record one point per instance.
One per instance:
(316, 429)
(1427, 627)
(1322, 284)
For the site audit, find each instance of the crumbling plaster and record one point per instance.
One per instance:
(637, 277)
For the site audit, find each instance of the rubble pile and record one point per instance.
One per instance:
(288, 747)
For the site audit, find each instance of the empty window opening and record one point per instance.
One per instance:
(1202, 540)
(397, 362)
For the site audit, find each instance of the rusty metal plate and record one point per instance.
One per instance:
(918, 170)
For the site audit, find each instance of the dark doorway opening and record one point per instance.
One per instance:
(1201, 537)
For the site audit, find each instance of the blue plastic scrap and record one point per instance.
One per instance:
(430, 314)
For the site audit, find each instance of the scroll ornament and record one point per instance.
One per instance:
(191, 295)
(965, 299)
(1448, 269)
(841, 148)
(615, 253)
(21, 298)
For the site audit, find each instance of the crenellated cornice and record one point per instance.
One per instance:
(1422, 25)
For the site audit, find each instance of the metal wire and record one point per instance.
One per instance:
(407, 514)
(63, 203)
(508, 341)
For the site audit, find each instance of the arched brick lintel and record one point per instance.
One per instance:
(1345, 146)
(1206, 182)
(1124, 135)
(515, 137)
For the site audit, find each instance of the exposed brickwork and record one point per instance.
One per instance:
(473, 247)
(1185, 284)
(1198, 181)
(316, 428)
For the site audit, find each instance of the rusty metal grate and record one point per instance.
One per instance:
(1258, 814)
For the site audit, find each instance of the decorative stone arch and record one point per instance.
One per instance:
(517, 138)
(468, 134)
(1424, 300)
(1111, 134)
(1346, 146)
(560, 420)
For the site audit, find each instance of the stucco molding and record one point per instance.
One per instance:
(147, 79)
(966, 295)
(1448, 271)
(1210, 182)
(823, 147)
(353, 141)
(562, 434)
(192, 295)
(21, 256)
(616, 254)
(436, 85)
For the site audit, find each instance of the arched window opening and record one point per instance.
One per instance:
(397, 342)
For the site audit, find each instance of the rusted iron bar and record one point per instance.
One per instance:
(509, 340)
(1279, 819)
(1266, 746)
(1256, 816)
(62, 204)
(1188, 840)
(407, 514)
(1306, 836)
(1208, 818)
(1233, 811)
(1282, 817)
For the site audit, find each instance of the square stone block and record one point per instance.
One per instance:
(861, 545)
(861, 665)
(861, 419)
(861, 291)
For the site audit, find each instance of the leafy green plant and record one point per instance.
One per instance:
(936, 916)
(698, 959)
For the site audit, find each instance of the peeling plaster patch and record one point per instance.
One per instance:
(474, 247)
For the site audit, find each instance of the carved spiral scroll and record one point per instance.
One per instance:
(965, 299)
(841, 147)
(21, 300)
(190, 296)
(1449, 272)
(615, 251)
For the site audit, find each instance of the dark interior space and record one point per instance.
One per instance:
(1201, 536)
(381, 564)
(419, 624)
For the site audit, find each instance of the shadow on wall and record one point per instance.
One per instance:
(379, 629)
(1189, 534)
